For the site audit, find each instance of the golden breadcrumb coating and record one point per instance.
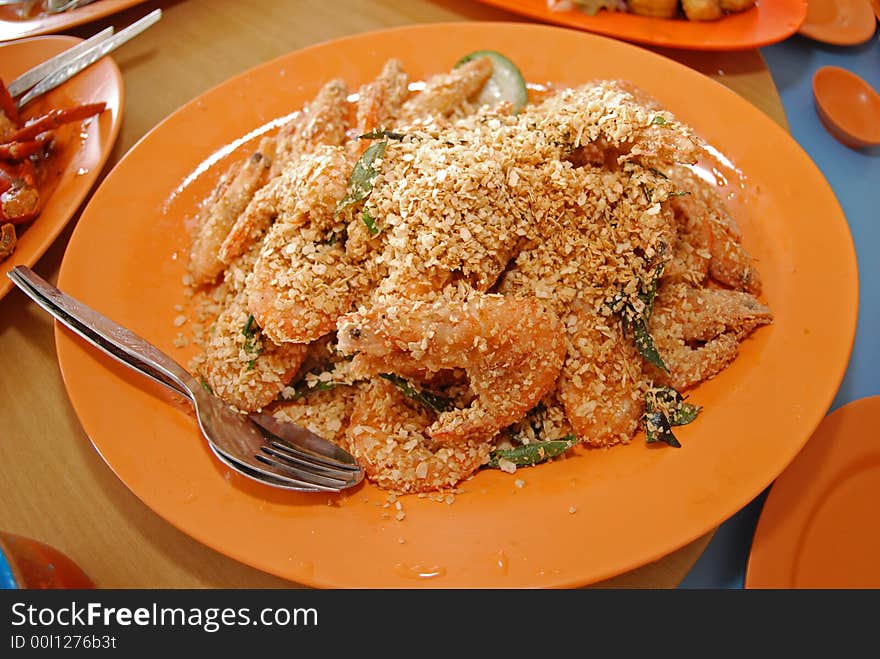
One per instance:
(445, 280)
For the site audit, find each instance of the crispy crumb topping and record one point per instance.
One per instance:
(483, 258)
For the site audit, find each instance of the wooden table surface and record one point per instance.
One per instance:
(54, 487)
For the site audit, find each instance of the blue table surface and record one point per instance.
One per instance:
(854, 176)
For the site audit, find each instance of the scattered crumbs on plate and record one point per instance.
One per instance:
(450, 498)
(179, 320)
(572, 510)
(401, 541)
(397, 505)
(506, 466)
(180, 341)
(400, 515)
(520, 483)
(178, 308)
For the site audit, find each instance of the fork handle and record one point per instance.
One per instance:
(116, 341)
(73, 66)
(31, 77)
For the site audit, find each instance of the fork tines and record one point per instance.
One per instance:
(309, 476)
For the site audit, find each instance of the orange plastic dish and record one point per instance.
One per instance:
(818, 527)
(14, 27)
(79, 155)
(839, 22)
(848, 106)
(27, 563)
(768, 22)
(575, 521)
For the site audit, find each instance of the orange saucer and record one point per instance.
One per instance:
(818, 528)
(840, 22)
(848, 106)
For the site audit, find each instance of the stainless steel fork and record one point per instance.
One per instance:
(48, 75)
(258, 447)
(57, 6)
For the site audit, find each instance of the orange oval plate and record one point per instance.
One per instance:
(13, 27)
(78, 159)
(575, 521)
(768, 22)
(839, 22)
(818, 527)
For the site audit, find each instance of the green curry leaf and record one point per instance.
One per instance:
(532, 454)
(426, 398)
(360, 183)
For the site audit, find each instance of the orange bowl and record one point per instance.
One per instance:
(26, 563)
(848, 106)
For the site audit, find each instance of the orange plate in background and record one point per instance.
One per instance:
(13, 27)
(575, 521)
(79, 155)
(839, 22)
(768, 22)
(818, 527)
